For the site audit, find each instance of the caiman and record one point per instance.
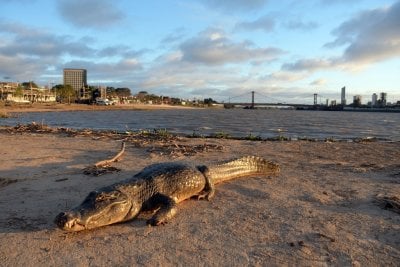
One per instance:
(157, 187)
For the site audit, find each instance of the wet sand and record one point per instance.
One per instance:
(320, 211)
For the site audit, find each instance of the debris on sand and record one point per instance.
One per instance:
(391, 203)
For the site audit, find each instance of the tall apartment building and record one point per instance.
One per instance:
(374, 100)
(77, 78)
(343, 96)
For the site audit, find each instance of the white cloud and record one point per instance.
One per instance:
(90, 13)
(308, 65)
(318, 82)
(20, 69)
(123, 69)
(370, 37)
(29, 53)
(25, 41)
(213, 47)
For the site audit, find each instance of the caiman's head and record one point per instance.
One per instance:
(98, 209)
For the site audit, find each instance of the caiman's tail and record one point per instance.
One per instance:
(245, 166)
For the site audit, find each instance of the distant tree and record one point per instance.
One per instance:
(209, 101)
(65, 93)
(27, 85)
(123, 92)
(110, 91)
(357, 103)
(175, 101)
(142, 96)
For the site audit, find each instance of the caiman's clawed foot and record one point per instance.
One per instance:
(206, 194)
(167, 210)
(155, 222)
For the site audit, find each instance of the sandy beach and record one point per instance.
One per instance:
(53, 107)
(324, 209)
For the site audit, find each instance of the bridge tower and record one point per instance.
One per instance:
(315, 99)
(252, 100)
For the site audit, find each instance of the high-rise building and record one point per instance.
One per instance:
(343, 98)
(374, 100)
(77, 78)
(383, 99)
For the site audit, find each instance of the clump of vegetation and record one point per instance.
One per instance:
(279, 138)
(155, 134)
(253, 137)
(221, 135)
(162, 133)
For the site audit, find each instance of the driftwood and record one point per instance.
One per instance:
(107, 162)
(104, 166)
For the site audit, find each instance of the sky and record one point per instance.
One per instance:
(284, 50)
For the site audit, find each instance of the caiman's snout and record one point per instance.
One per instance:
(68, 221)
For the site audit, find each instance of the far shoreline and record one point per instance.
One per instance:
(56, 107)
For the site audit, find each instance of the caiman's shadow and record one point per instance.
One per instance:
(31, 197)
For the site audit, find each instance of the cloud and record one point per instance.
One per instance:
(118, 51)
(308, 65)
(90, 13)
(174, 37)
(370, 37)
(20, 69)
(115, 71)
(265, 23)
(300, 25)
(318, 82)
(235, 5)
(29, 53)
(29, 42)
(213, 47)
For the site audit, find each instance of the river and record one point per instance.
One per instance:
(233, 122)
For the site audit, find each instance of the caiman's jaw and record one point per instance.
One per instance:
(69, 222)
(98, 209)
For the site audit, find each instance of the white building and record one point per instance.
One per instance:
(374, 100)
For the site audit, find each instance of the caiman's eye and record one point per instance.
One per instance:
(107, 196)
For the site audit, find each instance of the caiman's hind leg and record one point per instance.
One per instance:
(168, 209)
(209, 189)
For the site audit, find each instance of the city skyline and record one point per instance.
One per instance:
(286, 49)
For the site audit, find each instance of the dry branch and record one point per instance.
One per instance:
(114, 159)
(103, 167)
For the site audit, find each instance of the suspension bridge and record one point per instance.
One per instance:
(264, 101)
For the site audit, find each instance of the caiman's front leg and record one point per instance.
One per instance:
(168, 209)
(209, 189)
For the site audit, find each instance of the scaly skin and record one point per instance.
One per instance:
(159, 186)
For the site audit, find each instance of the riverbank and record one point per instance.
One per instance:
(51, 107)
(325, 208)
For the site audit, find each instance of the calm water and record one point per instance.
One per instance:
(235, 122)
